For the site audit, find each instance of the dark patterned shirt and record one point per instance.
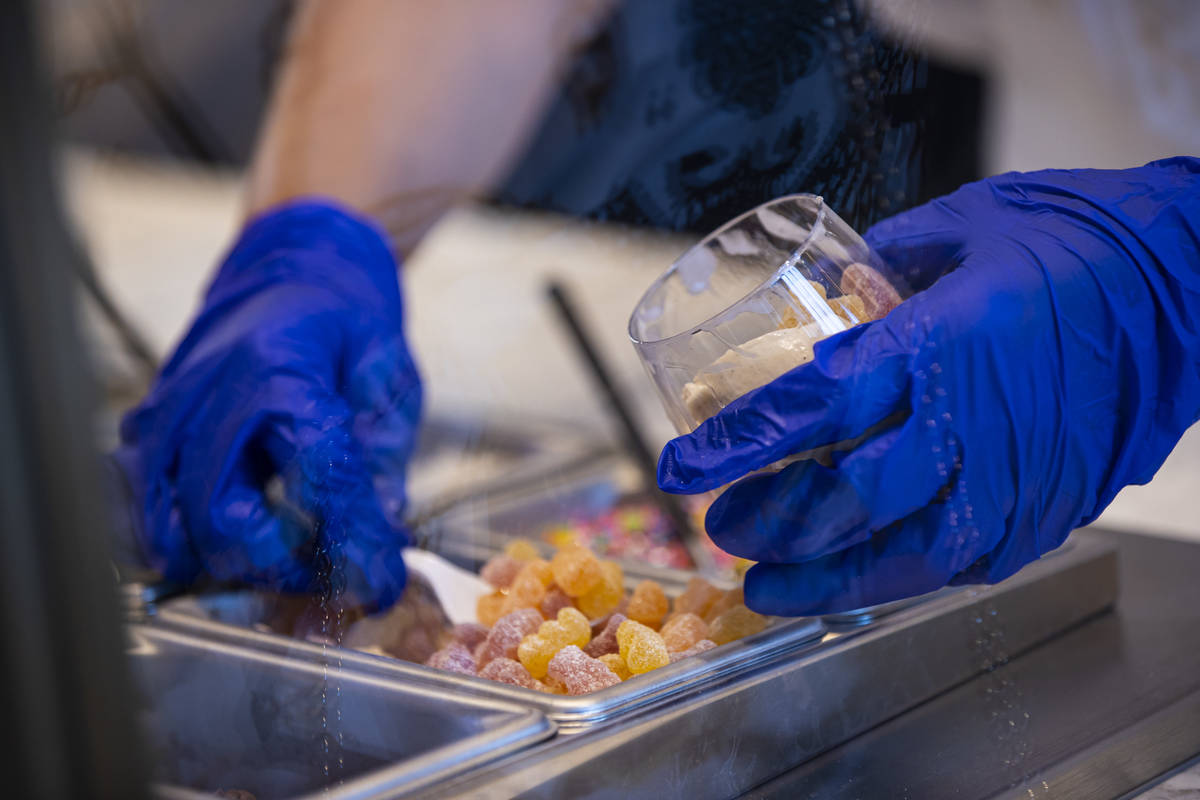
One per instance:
(682, 114)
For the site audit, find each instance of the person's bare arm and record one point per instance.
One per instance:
(399, 108)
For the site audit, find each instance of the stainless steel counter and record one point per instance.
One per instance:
(1102, 711)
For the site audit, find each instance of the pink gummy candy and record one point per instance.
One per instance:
(506, 670)
(500, 570)
(507, 633)
(453, 658)
(469, 634)
(555, 600)
(579, 672)
(702, 646)
(605, 641)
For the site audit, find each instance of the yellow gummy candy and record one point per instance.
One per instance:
(617, 664)
(641, 647)
(536, 649)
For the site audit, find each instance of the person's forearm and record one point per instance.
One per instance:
(399, 109)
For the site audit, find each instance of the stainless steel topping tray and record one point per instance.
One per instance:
(458, 461)
(222, 715)
(782, 639)
(732, 735)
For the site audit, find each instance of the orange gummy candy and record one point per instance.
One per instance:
(648, 605)
(697, 598)
(576, 570)
(607, 594)
(684, 630)
(725, 601)
(490, 607)
(735, 623)
(528, 589)
(642, 649)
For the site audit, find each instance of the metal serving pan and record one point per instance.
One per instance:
(225, 617)
(733, 735)
(220, 715)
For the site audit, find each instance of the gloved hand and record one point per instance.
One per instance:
(296, 367)
(1052, 358)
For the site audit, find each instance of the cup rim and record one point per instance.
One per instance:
(661, 279)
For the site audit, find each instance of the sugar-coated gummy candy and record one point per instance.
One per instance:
(554, 600)
(522, 550)
(454, 657)
(617, 664)
(469, 634)
(605, 641)
(529, 587)
(697, 597)
(569, 628)
(850, 307)
(576, 570)
(506, 635)
(878, 295)
(579, 672)
(682, 631)
(553, 686)
(648, 604)
(500, 570)
(735, 623)
(490, 607)
(641, 647)
(702, 646)
(607, 594)
(725, 601)
(505, 670)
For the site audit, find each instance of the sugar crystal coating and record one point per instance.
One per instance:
(617, 664)
(725, 601)
(490, 607)
(528, 588)
(682, 631)
(505, 670)
(607, 594)
(555, 600)
(702, 646)
(469, 634)
(641, 647)
(505, 636)
(697, 597)
(877, 294)
(579, 672)
(606, 640)
(648, 604)
(576, 569)
(735, 623)
(569, 628)
(500, 570)
(453, 658)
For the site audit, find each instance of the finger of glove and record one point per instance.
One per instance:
(384, 395)
(856, 380)
(808, 510)
(918, 555)
(922, 244)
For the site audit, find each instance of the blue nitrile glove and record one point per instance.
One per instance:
(296, 367)
(1055, 360)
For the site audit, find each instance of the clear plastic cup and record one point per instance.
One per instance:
(748, 302)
